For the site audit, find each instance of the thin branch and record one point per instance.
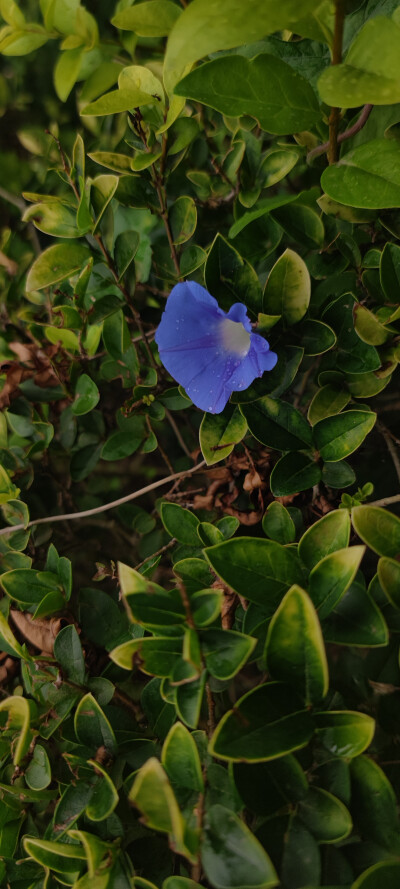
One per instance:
(125, 293)
(177, 433)
(391, 446)
(12, 199)
(10, 266)
(21, 205)
(106, 506)
(334, 117)
(164, 217)
(160, 552)
(385, 501)
(342, 137)
(211, 710)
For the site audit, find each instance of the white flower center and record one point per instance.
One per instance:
(235, 337)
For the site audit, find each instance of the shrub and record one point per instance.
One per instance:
(199, 669)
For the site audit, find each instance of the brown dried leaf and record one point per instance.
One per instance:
(252, 481)
(41, 633)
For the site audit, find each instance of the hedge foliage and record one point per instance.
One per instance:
(200, 612)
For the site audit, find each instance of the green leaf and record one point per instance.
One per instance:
(53, 218)
(100, 618)
(268, 786)
(121, 163)
(315, 337)
(260, 570)
(206, 606)
(15, 512)
(180, 523)
(277, 381)
(327, 535)
(116, 336)
(389, 271)
(325, 816)
(28, 587)
(230, 278)
(104, 797)
(378, 528)
(63, 858)
(374, 804)
(202, 29)
(294, 472)
(156, 656)
(220, 432)
(277, 163)
(264, 87)
(153, 795)
(332, 576)
(56, 264)
(371, 70)
(389, 579)
(356, 620)
(147, 603)
(344, 732)
(337, 437)
(225, 651)
(277, 424)
(87, 396)
(278, 524)
(11, 13)
(353, 355)
(137, 87)
(18, 720)
(125, 249)
(8, 641)
(38, 773)
(288, 288)
(188, 700)
(153, 19)
(231, 855)
(301, 223)
(267, 722)
(92, 726)
(192, 258)
(384, 873)
(180, 759)
(327, 401)
(66, 71)
(183, 219)
(294, 648)
(368, 326)
(102, 191)
(22, 42)
(123, 442)
(367, 177)
(68, 653)
(338, 475)
(265, 206)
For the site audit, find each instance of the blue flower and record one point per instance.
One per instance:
(211, 353)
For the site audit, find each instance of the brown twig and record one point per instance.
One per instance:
(211, 711)
(342, 137)
(106, 506)
(160, 552)
(177, 433)
(334, 117)
(391, 446)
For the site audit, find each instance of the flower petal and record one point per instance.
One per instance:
(206, 355)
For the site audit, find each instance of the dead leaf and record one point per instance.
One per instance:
(252, 481)
(41, 633)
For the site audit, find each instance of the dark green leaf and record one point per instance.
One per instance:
(265, 87)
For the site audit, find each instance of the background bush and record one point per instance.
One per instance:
(200, 684)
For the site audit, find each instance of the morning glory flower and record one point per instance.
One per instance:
(211, 353)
